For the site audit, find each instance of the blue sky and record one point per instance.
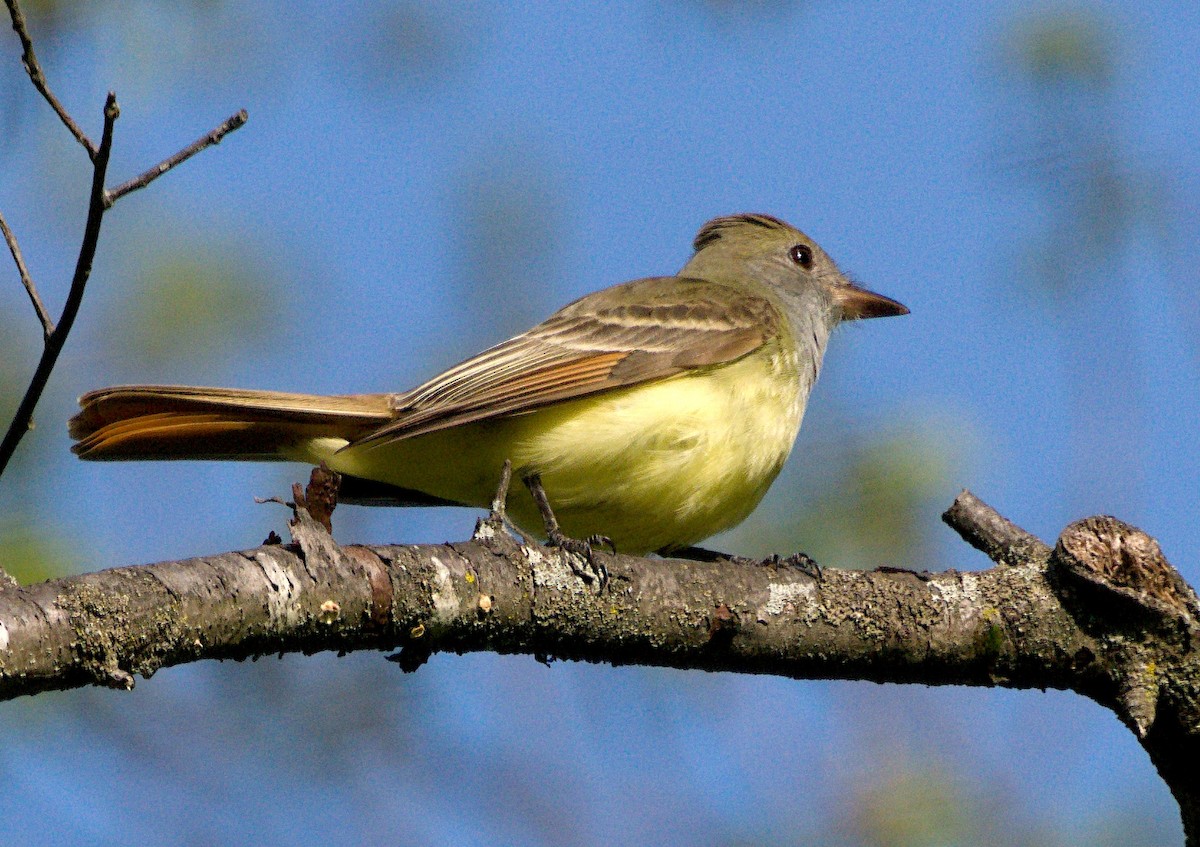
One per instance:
(406, 201)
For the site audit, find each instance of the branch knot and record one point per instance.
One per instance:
(1126, 565)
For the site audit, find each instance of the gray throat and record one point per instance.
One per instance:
(812, 321)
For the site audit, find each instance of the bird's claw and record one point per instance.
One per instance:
(585, 549)
(598, 540)
(800, 561)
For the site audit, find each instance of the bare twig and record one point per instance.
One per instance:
(27, 280)
(34, 69)
(991, 533)
(23, 418)
(207, 140)
(99, 201)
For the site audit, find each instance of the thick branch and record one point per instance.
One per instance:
(1103, 615)
(493, 594)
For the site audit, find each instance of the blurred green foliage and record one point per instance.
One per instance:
(190, 301)
(1105, 240)
(12, 336)
(863, 500)
(1063, 64)
(29, 550)
(915, 807)
(1073, 45)
(30, 555)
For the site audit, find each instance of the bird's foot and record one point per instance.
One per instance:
(586, 549)
(582, 548)
(800, 561)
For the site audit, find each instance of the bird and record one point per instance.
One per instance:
(651, 414)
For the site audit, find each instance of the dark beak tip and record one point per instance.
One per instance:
(879, 306)
(858, 303)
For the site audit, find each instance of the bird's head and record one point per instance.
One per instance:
(757, 247)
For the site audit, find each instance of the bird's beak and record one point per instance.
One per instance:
(857, 303)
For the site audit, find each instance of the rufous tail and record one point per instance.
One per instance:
(184, 422)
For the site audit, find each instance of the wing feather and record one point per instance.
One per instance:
(641, 331)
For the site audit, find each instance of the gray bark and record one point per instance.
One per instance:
(1102, 614)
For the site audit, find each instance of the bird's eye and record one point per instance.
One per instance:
(802, 255)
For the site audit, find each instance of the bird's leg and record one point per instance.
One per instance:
(500, 500)
(497, 519)
(556, 538)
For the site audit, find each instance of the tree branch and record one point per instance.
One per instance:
(881, 626)
(34, 69)
(99, 201)
(23, 417)
(27, 280)
(991, 533)
(1103, 614)
(148, 176)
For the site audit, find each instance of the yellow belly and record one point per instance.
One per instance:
(656, 466)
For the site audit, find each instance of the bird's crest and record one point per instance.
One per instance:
(716, 229)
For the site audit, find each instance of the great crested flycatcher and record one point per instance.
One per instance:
(656, 412)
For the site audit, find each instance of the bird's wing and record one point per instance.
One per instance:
(640, 331)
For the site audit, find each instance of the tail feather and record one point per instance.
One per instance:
(184, 422)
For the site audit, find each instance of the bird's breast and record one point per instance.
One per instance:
(669, 463)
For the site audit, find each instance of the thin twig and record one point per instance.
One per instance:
(27, 280)
(207, 140)
(34, 69)
(22, 420)
(991, 533)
